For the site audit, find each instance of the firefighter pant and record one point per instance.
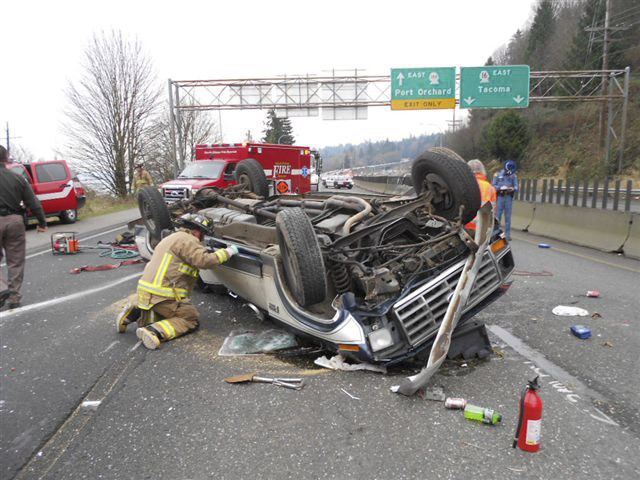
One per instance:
(171, 319)
(13, 243)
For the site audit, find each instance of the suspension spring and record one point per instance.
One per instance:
(341, 277)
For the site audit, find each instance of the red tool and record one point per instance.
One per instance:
(527, 436)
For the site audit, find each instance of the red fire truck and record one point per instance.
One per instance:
(267, 169)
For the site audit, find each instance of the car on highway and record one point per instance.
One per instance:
(56, 186)
(369, 276)
(337, 181)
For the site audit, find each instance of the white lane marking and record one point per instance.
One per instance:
(68, 298)
(111, 345)
(537, 362)
(132, 349)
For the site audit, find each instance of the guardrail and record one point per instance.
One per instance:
(605, 194)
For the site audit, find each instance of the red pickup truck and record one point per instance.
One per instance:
(55, 185)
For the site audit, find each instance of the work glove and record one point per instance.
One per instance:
(224, 254)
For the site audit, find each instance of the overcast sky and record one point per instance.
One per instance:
(43, 43)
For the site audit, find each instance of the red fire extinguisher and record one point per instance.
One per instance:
(530, 419)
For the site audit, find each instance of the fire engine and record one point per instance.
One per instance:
(267, 169)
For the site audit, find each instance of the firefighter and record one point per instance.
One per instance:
(13, 190)
(162, 306)
(141, 178)
(506, 184)
(487, 192)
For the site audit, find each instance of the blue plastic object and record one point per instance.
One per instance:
(581, 331)
(544, 245)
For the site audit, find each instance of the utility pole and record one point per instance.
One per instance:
(605, 78)
(8, 145)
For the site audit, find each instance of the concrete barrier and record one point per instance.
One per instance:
(632, 245)
(600, 229)
(522, 215)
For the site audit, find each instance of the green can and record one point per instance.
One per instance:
(481, 414)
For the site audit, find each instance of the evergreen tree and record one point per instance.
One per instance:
(278, 130)
(507, 136)
(516, 48)
(537, 52)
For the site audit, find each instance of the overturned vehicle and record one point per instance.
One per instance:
(369, 276)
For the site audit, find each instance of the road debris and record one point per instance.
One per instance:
(91, 404)
(581, 331)
(352, 396)
(567, 311)
(544, 245)
(481, 414)
(434, 393)
(607, 344)
(593, 294)
(337, 362)
(455, 403)
(247, 342)
(290, 383)
(596, 315)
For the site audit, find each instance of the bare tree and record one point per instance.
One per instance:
(20, 154)
(111, 110)
(197, 128)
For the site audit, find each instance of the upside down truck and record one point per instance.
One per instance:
(376, 278)
(269, 169)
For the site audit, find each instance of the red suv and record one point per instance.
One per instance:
(55, 185)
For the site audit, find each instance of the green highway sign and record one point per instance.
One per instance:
(423, 88)
(494, 86)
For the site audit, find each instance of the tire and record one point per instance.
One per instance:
(445, 173)
(301, 257)
(154, 212)
(251, 173)
(69, 216)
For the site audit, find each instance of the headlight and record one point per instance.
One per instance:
(380, 339)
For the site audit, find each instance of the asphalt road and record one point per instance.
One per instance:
(168, 413)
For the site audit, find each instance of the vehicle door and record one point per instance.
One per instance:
(53, 185)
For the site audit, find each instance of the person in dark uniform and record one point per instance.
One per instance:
(14, 189)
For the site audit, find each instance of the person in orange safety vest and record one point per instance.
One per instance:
(487, 191)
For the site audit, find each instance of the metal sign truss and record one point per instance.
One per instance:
(347, 96)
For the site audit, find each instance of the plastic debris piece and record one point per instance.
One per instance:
(434, 393)
(246, 342)
(337, 362)
(352, 396)
(567, 311)
(544, 245)
(91, 404)
(593, 294)
(596, 315)
(607, 344)
(581, 331)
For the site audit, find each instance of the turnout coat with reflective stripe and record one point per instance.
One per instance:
(173, 269)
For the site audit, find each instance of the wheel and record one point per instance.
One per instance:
(301, 257)
(444, 173)
(249, 172)
(154, 211)
(69, 216)
(350, 187)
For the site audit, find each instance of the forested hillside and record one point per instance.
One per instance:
(547, 138)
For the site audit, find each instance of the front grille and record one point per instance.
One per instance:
(175, 193)
(421, 316)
